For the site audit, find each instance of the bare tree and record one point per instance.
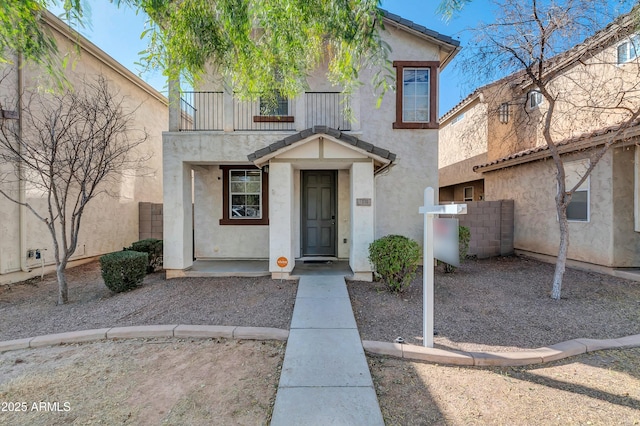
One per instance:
(556, 50)
(66, 148)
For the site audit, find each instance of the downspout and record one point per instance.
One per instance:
(22, 192)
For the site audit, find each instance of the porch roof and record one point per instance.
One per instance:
(264, 154)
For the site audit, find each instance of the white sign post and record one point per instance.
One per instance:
(429, 210)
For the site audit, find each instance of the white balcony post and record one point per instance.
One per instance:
(300, 112)
(227, 112)
(355, 109)
(175, 112)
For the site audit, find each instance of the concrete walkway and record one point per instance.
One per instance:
(325, 376)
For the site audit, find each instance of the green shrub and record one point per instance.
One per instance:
(123, 270)
(153, 247)
(464, 236)
(395, 260)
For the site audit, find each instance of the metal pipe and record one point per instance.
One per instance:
(22, 191)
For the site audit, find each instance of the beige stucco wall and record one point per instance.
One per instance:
(398, 191)
(626, 247)
(462, 138)
(109, 223)
(532, 187)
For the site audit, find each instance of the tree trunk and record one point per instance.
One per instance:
(63, 291)
(562, 251)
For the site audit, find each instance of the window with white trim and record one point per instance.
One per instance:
(416, 94)
(279, 106)
(578, 208)
(535, 99)
(457, 118)
(245, 189)
(628, 49)
(245, 195)
(468, 193)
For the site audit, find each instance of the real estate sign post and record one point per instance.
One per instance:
(429, 210)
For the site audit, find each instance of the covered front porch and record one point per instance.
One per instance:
(260, 268)
(316, 202)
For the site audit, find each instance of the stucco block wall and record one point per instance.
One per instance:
(150, 220)
(491, 227)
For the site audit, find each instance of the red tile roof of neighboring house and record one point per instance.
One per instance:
(620, 132)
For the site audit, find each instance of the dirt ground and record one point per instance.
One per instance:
(486, 305)
(141, 382)
(601, 388)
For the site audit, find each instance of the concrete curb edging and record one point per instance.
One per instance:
(410, 352)
(147, 331)
(499, 359)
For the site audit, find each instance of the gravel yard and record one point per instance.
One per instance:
(497, 304)
(501, 304)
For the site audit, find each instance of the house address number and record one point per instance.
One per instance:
(363, 201)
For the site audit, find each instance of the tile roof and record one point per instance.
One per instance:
(320, 130)
(419, 28)
(594, 138)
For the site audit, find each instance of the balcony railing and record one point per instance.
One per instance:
(205, 111)
(328, 109)
(201, 111)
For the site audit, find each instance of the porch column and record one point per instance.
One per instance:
(281, 218)
(178, 218)
(362, 219)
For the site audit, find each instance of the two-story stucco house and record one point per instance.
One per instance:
(492, 146)
(109, 222)
(242, 181)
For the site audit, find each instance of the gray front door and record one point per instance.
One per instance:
(319, 213)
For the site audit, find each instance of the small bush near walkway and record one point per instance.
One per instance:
(123, 270)
(395, 260)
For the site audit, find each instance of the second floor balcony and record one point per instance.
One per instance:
(217, 111)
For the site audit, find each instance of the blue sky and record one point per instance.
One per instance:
(117, 32)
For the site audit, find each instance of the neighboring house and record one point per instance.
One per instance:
(467, 132)
(501, 151)
(109, 222)
(299, 180)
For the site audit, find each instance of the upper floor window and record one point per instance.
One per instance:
(535, 99)
(277, 106)
(503, 112)
(416, 94)
(274, 110)
(628, 50)
(468, 193)
(457, 118)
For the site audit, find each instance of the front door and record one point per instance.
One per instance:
(319, 213)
